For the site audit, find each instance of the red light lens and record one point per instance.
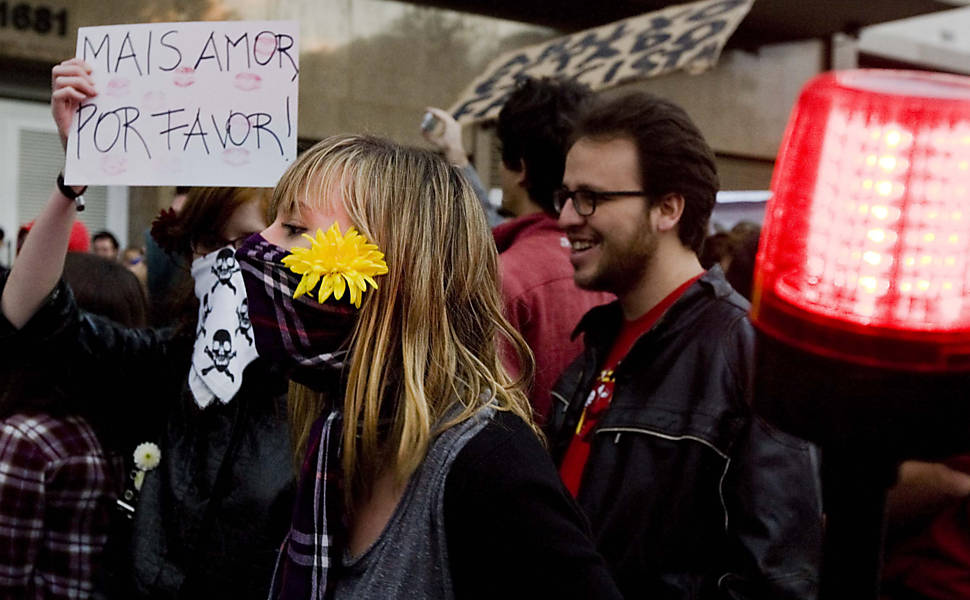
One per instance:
(866, 244)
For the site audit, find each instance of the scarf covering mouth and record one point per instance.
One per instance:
(297, 333)
(223, 343)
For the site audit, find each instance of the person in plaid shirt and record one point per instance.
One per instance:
(56, 491)
(57, 484)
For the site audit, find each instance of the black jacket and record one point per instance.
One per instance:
(193, 537)
(689, 494)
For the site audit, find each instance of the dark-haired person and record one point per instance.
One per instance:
(689, 494)
(541, 300)
(105, 245)
(744, 250)
(212, 514)
(57, 481)
(99, 288)
(716, 250)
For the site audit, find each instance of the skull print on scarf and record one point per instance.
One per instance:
(224, 344)
(224, 268)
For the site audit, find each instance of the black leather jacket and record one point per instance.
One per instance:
(192, 537)
(689, 494)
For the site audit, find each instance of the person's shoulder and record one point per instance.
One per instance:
(29, 438)
(718, 309)
(502, 428)
(727, 315)
(722, 296)
(540, 236)
(534, 263)
(30, 426)
(53, 437)
(505, 448)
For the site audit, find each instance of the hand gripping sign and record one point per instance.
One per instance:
(207, 103)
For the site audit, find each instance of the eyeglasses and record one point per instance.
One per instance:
(584, 201)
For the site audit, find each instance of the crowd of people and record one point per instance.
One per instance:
(558, 406)
(103, 243)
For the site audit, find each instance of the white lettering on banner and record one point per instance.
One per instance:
(205, 103)
(686, 36)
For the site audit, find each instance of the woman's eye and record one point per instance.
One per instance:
(293, 230)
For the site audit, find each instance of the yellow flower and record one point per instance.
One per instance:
(338, 262)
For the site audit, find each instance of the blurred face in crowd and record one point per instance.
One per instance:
(612, 249)
(105, 249)
(132, 256)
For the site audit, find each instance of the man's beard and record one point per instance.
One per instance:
(620, 269)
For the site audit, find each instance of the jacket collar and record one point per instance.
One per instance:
(508, 232)
(602, 324)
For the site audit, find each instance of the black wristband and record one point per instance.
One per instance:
(69, 192)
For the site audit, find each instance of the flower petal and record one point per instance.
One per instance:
(354, 291)
(301, 288)
(326, 288)
(311, 278)
(339, 285)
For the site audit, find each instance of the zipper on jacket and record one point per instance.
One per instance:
(559, 397)
(673, 438)
(680, 438)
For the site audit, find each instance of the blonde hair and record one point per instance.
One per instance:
(427, 339)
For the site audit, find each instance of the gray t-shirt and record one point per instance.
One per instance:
(410, 557)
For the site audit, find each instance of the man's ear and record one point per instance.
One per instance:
(669, 210)
(521, 176)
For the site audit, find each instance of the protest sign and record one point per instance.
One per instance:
(206, 103)
(686, 36)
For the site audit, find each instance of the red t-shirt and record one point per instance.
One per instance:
(574, 462)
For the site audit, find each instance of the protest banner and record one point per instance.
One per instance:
(685, 36)
(204, 103)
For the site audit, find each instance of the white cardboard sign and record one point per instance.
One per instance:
(204, 103)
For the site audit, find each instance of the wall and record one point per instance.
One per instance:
(372, 65)
(742, 106)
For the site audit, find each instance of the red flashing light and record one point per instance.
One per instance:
(865, 250)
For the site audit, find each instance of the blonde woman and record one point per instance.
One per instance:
(424, 475)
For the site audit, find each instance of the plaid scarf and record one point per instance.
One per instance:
(314, 545)
(308, 339)
(300, 334)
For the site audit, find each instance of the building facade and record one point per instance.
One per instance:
(370, 66)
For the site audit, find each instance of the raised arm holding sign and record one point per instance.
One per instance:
(200, 383)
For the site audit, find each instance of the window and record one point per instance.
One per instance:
(30, 158)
